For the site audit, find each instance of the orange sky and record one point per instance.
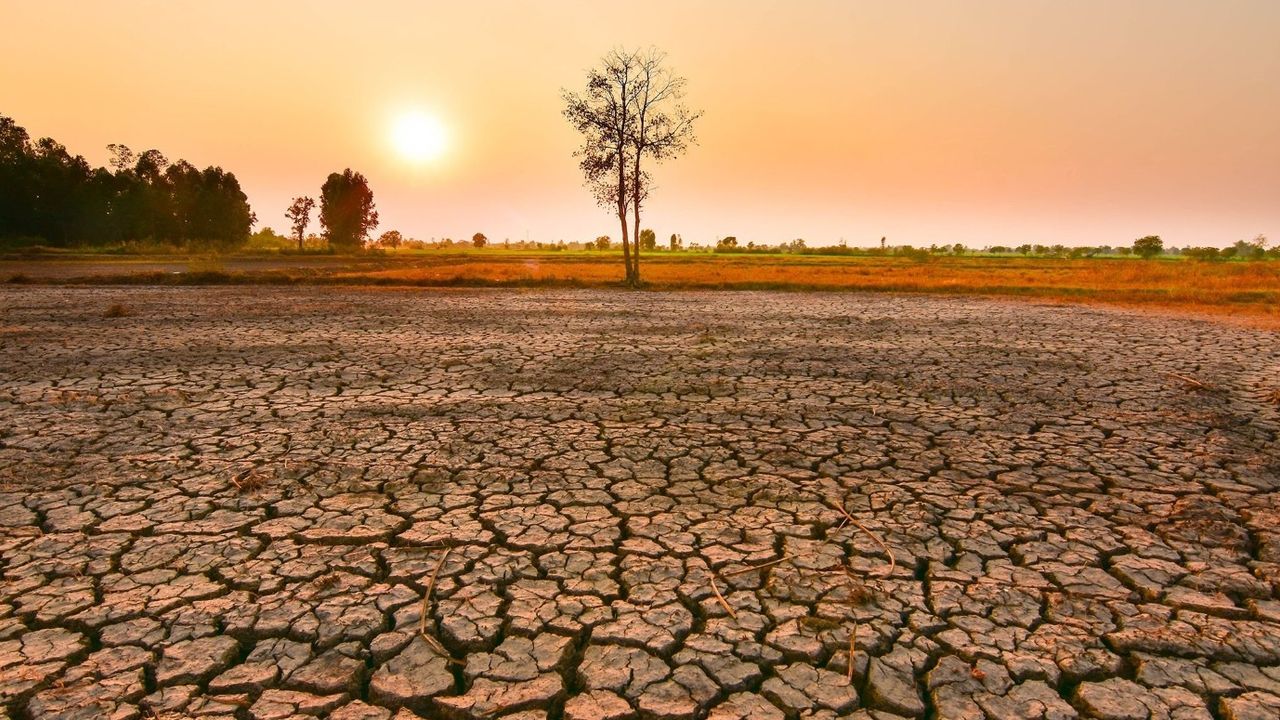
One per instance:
(975, 121)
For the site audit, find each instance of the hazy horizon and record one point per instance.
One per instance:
(1090, 123)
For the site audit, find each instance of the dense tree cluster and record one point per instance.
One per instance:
(49, 196)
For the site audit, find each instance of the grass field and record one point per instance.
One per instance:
(1243, 291)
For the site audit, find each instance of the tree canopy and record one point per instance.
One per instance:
(49, 196)
(1149, 246)
(347, 212)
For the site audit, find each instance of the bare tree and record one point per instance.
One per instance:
(630, 111)
(662, 128)
(299, 214)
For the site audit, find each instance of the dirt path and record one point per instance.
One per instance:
(232, 503)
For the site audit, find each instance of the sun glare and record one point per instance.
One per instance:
(419, 137)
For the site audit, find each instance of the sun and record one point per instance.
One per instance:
(419, 137)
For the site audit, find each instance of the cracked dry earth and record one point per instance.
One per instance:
(236, 503)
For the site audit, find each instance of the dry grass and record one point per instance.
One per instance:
(1249, 291)
(1241, 292)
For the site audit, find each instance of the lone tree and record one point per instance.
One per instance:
(632, 111)
(479, 240)
(347, 213)
(1148, 247)
(299, 214)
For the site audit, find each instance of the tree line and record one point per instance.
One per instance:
(49, 196)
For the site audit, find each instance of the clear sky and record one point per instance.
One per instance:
(975, 121)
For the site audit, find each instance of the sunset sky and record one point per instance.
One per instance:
(975, 121)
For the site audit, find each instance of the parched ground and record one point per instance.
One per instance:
(240, 502)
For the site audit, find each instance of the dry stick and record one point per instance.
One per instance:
(442, 651)
(853, 644)
(740, 571)
(422, 620)
(720, 597)
(1188, 380)
(893, 564)
(853, 611)
(431, 585)
(761, 566)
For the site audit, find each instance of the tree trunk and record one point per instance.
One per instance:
(622, 216)
(626, 246)
(635, 260)
(635, 213)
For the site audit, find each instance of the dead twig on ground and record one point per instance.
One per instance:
(442, 651)
(752, 568)
(1190, 381)
(853, 648)
(431, 586)
(430, 640)
(723, 602)
(893, 563)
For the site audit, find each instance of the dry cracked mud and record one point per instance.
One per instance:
(278, 503)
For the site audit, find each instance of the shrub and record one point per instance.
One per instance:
(1202, 253)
